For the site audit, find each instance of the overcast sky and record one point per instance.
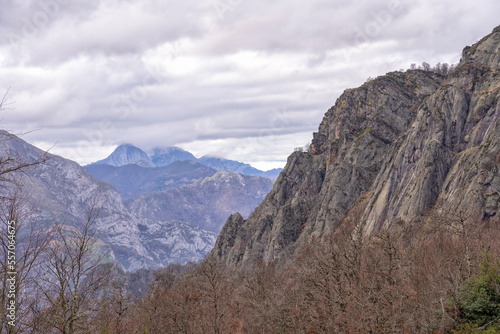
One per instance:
(245, 80)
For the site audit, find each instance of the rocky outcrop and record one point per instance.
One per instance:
(394, 147)
(448, 158)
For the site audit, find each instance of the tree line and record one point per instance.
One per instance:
(441, 277)
(440, 68)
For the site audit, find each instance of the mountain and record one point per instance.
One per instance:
(133, 180)
(127, 154)
(167, 155)
(272, 173)
(60, 189)
(205, 203)
(392, 149)
(184, 191)
(235, 166)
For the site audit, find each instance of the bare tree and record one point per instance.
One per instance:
(115, 309)
(213, 285)
(17, 216)
(4, 101)
(11, 163)
(73, 275)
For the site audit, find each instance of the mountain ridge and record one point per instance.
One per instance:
(167, 155)
(206, 202)
(162, 156)
(132, 180)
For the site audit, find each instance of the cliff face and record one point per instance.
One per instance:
(398, 145)
(449, 157)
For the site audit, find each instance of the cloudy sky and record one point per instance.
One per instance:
(245, 80)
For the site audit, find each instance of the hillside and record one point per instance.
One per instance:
(205, 203)
(132, 180)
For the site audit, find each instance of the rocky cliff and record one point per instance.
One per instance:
(394, 147)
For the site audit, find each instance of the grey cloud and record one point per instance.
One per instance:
(256, 80)
(61, 29)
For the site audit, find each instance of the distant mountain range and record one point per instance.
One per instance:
(60, 190)
(133, 180)
(206, 203)
(201, 191)
(239, 167)
(128, 154)
(171, 212)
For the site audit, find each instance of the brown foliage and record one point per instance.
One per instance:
(392, 282)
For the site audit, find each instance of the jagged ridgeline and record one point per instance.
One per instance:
(393, 148)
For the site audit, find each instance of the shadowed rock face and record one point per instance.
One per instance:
(402, 143)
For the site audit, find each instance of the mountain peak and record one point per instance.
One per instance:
(163, 156)
(485, 51)
(127, 154)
